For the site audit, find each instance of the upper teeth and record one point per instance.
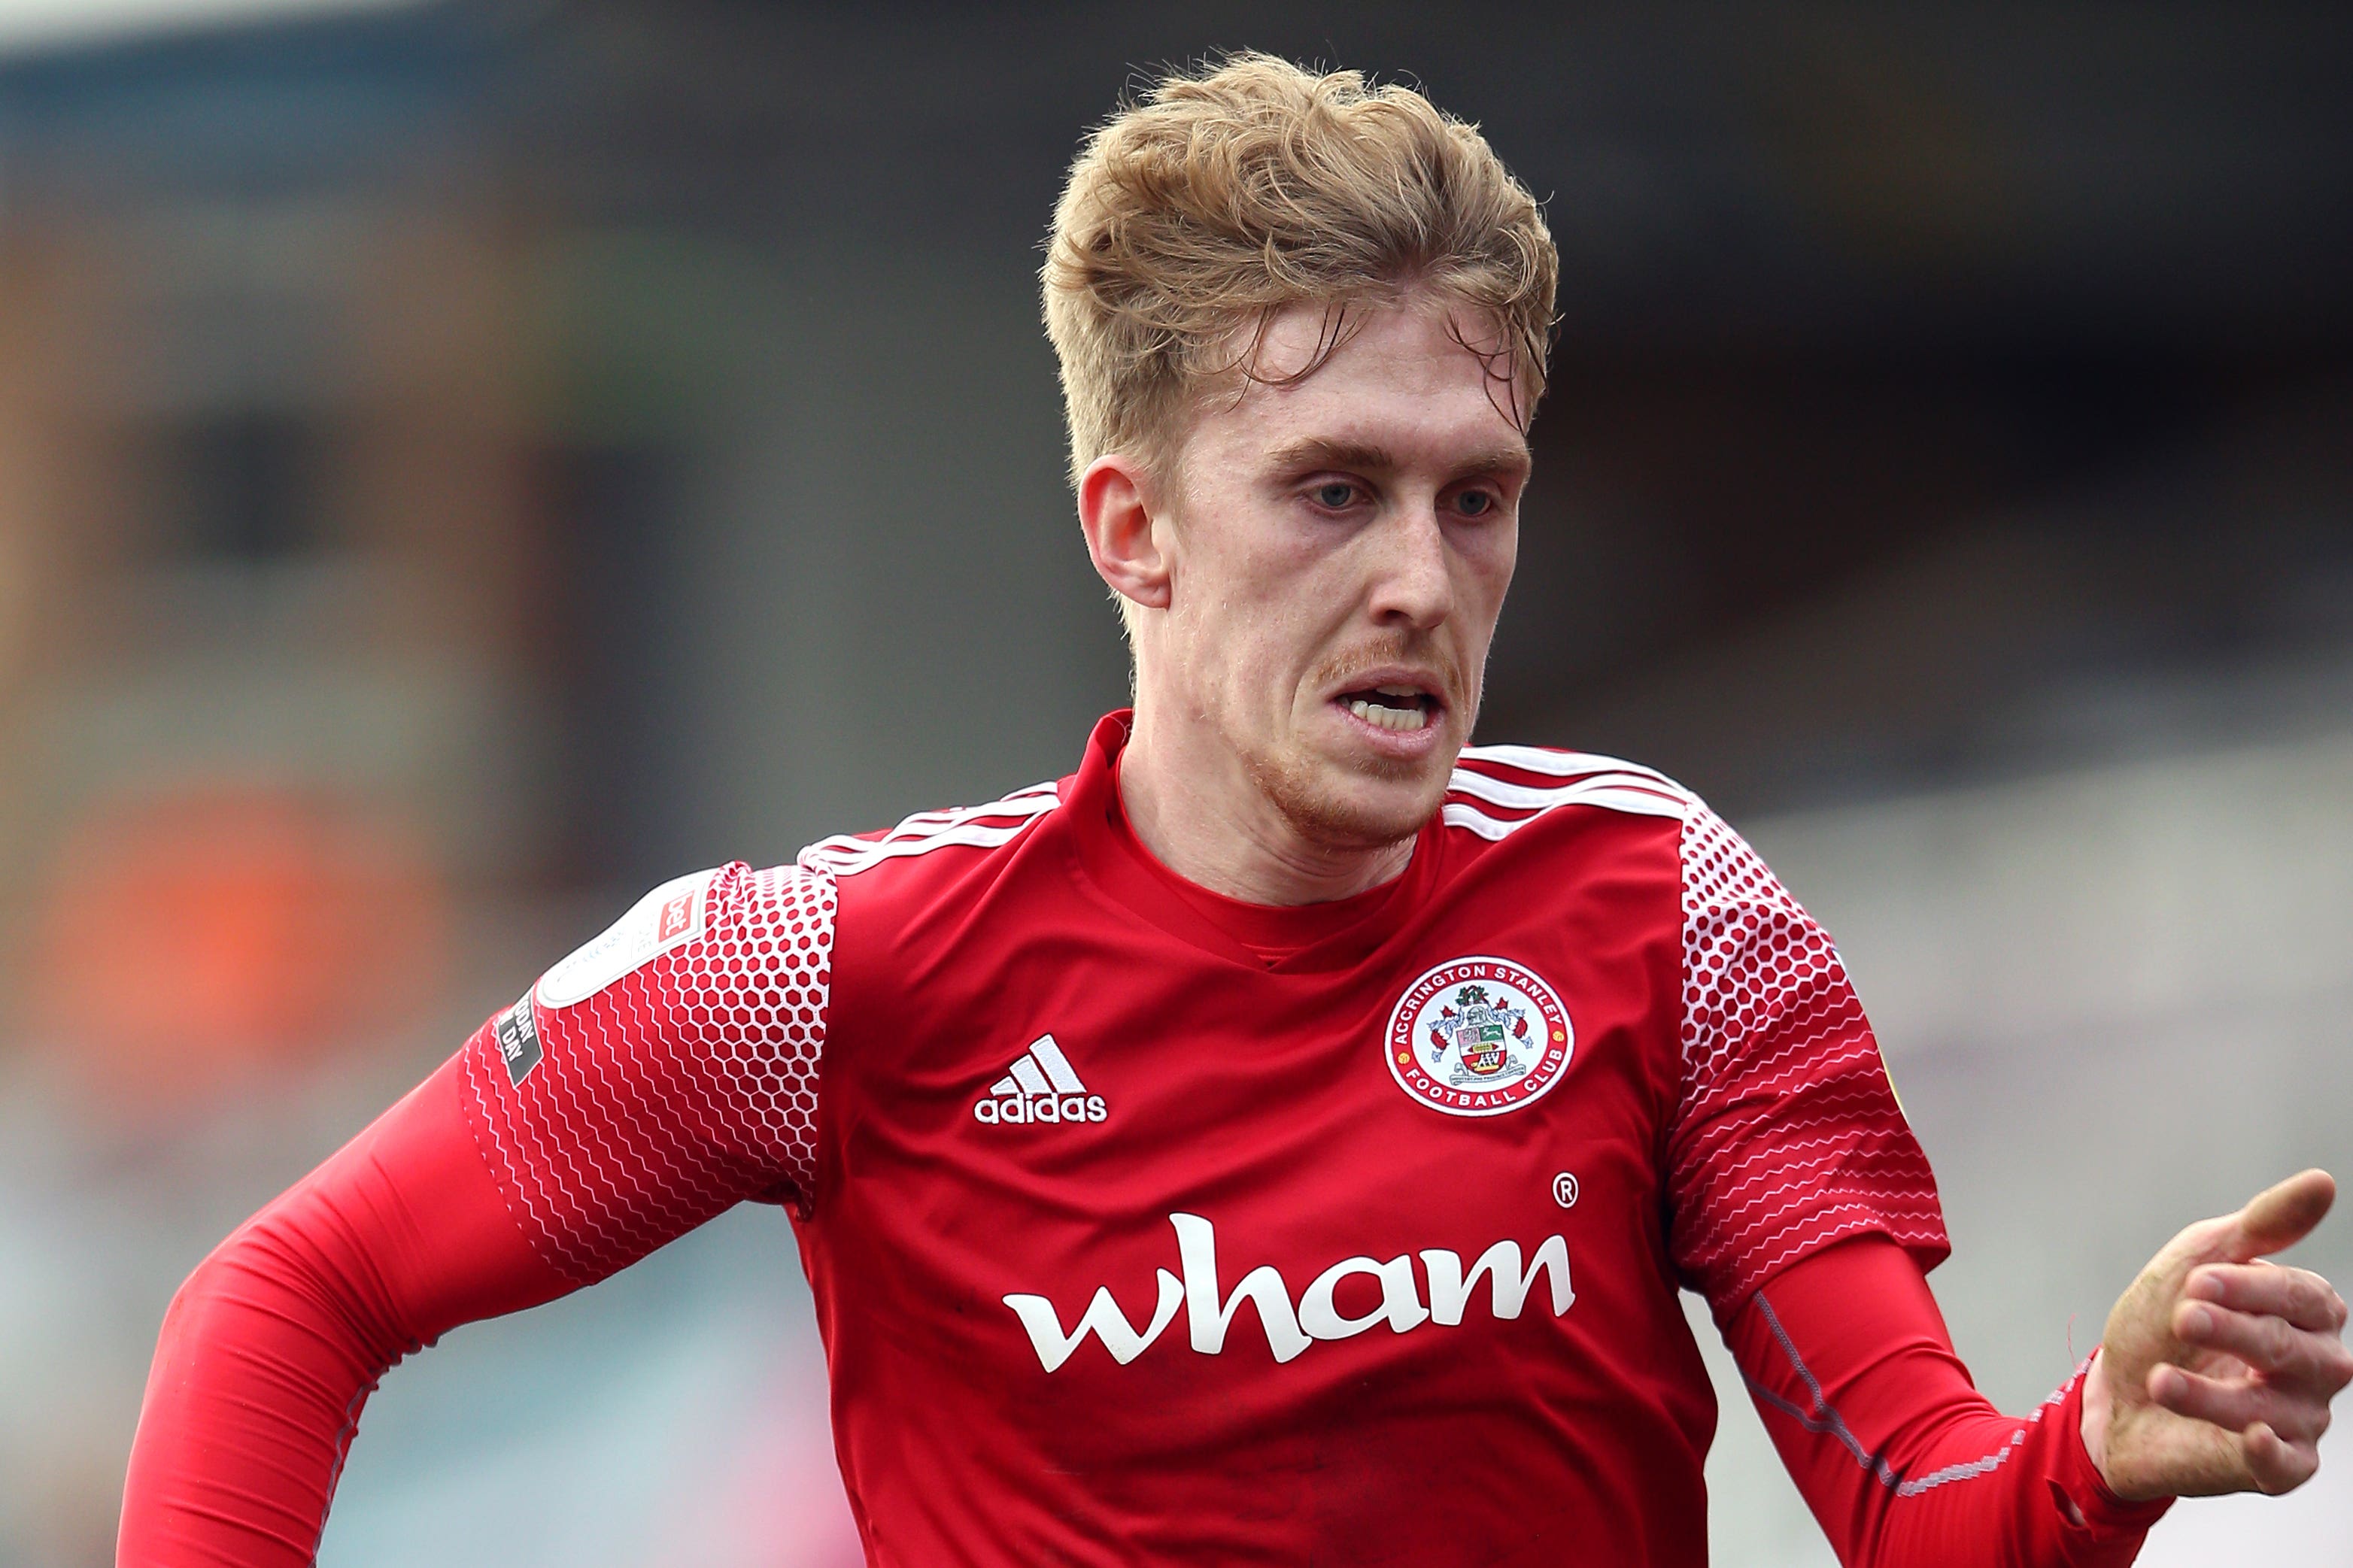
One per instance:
(1387, 717)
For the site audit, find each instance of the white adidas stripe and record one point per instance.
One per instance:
(1041, 1069)
(949, 817)
(1591, 780)
(1523, 797)
(1639, 796)
(925, 831)
(1059, 1071)
(1558, 765)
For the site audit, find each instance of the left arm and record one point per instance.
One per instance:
(2216, 1376)
(1904, 1463)
(1803, 1209)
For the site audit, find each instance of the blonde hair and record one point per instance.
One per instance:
(1194, 215)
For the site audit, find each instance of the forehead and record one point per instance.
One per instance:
(1405, 378)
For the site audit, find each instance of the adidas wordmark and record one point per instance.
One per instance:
(1042, 1087)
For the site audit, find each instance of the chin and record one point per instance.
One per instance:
(1352, 808)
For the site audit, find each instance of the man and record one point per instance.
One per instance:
(1280, 1141)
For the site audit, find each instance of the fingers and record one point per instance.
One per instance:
(2314, 1360)
(2298, 1295)
(2280, 1216)
(2277, 1465)
(2295, 1414)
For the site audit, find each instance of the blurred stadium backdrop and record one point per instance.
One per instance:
(462, 463)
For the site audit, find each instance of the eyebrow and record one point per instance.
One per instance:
(1317, 452)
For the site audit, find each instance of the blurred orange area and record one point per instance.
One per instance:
(186, 939)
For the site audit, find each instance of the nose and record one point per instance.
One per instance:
(1415, 583)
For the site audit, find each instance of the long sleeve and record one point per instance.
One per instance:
(1902, 1460)
(661, 1074)
(274, 1344)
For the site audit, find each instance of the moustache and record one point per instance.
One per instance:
(1348, 668)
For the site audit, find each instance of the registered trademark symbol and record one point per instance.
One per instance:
(1564, 1189)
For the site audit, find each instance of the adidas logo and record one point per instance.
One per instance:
(1040, 1088)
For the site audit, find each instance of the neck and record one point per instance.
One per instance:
(1193, 803)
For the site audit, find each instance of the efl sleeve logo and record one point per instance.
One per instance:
(517, 1032)
(670, 916)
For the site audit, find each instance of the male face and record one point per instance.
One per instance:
(1337, 550)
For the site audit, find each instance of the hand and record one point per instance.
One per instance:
(2216, 1371)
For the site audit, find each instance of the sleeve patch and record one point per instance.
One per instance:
(669, 1092)
(670, 916)
(517, 1030)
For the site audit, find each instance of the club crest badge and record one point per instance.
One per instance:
(1478, 1036)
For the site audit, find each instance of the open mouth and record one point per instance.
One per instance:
(1398, 708)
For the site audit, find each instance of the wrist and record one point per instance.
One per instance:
(2091, 1498)
(2099, 1410)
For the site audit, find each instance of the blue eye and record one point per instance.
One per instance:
(1474, 503)
(1335, 495)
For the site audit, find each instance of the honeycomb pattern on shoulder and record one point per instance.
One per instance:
(675, 1093)
(1788, 1136)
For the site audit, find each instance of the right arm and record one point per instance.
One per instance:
(669, 1071)
(278, 1338)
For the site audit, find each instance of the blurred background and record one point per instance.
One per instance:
(463, 463)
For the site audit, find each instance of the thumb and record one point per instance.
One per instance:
(2280, 1216)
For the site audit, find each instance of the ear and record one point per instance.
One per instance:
(1126, 537)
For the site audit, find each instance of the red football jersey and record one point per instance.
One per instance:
(1146, 1225)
